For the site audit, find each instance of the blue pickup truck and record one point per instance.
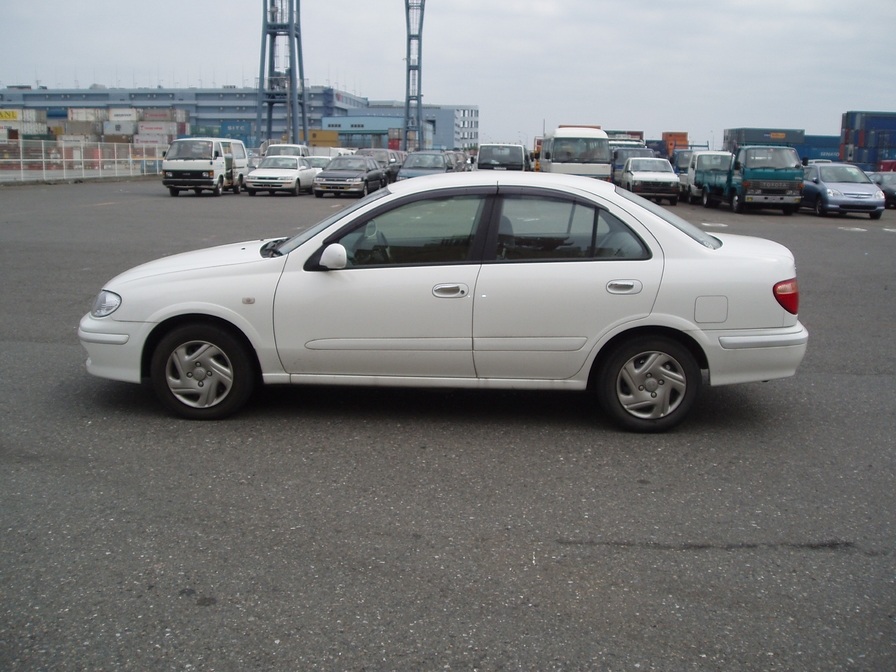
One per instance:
(761, 176)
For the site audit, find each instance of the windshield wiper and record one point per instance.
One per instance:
(271, 248)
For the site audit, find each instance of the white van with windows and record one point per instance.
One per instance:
(210, 164)
(577, 150)
(287, 150)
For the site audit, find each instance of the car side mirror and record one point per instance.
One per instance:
(334, 257)
(815, 180)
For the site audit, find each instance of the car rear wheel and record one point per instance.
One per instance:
(648, 384)
(202, 372)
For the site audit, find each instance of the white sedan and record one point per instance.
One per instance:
(507, 280)
(292, 174)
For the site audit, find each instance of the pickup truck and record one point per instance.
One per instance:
(769, 176)
(704, 166)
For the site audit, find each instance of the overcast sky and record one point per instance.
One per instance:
(653, 65)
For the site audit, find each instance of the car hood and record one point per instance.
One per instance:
(853, 187)
(272, 172)
(342, 174)
(652, 176)
(212, 257)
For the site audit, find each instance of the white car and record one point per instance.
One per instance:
(651, 178)
(485, 280)
(282, 173)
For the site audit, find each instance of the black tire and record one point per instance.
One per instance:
(218, 189)
(198, 192)
(648, 384)
(875, 215)
(251, 192)
(692, 200)
(318, 194)
(174, 191)
(707, 200)
(365, 190)
(819, 208)
(673, 201)
(187, 358)
(297, 187)
(237, 187)
(737, 203)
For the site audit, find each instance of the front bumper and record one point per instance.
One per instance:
(189, 179)
(855, 205)
(774, 199)
(340, 187)
(114, 349)
(655, 190)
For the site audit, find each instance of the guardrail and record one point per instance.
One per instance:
(47, 160)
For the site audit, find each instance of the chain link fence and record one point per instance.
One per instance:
(48, 161)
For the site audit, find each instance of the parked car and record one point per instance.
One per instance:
(480, 280)
(425, 162)
(352, 174)
(287, 150)
(388, 159)
(887, 184)
(318, 161)
(841, 188)
(651, 178)
(495, 156)
(282, 173)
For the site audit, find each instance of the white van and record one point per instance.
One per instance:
(212, 164)
(287, 150)
(502, 157)
(577, 150)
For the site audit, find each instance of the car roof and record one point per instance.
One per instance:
(487, 178)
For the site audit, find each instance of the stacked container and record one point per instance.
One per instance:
(867, 138)
(675, 140)
(22, 122)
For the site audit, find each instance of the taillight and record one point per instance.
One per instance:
(787, 293)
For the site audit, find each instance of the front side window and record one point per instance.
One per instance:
(431, 231)
(534, 228)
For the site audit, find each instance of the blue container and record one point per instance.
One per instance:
(880, 122)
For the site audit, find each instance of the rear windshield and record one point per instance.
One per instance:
(500, 156)
(682, 225)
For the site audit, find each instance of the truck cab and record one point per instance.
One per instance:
(766, 176)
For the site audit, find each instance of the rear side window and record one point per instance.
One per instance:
(534, 228)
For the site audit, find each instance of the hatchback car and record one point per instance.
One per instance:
(357, 175)
(425, 162)
(841, 188)
(481, 280)
(887, 184)
(651, 178)
(291, 174)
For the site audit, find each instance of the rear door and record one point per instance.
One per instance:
(559, 273)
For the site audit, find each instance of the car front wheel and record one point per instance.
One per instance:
(819, 208)
(202, 372)
(648, 384)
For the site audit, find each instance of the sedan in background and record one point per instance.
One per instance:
(356, 175)
(426, 162)
(389, 160)
(887, 184)
(651, 178)
(841, 188)
(292, 174)
(479, 280)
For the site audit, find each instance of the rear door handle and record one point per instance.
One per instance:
(624, 286)
(450, 290)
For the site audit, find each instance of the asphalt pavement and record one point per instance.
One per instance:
(377, 529)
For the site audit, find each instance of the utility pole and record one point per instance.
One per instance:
(281, 19)
(413, 105)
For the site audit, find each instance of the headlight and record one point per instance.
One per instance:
(169, 174)
(878, 194)
(357, 180)
(833, 192)
(105, 304)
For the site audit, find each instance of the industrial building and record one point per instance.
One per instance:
(232, 111)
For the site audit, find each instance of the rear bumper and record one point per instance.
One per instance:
(751, 355)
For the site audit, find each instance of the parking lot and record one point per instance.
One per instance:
(390, 529)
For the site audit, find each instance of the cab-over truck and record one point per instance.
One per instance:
(761, 176)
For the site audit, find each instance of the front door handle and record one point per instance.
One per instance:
(450, 290)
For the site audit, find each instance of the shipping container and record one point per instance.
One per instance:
(68, 139)
(87, 114)
(159, 114)
(118, 139)
(880, 121)
(22, 115)
(735, 137)
(155, 139)
(123, 114)
(57, 113)
(83, 128)
(119, 127)
(26, 127)
(157, 127)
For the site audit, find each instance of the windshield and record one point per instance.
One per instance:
(190, 149)
(849, 174)
(714, 162)
(623, 154)
(651, 165)
(319, 161)
(283, 150)
(424, 161)
(682, 159)
(500, 156)
(381, 155)
(290, 244)
(347, 163)
(682, 225)
(772, 157)
(886, 178)
(280, 162)
(581, 150)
